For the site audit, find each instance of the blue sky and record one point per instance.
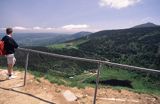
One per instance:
(76, 15)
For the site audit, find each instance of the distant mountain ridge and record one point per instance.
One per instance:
(44, 39)
(149, 24)
(81, 34)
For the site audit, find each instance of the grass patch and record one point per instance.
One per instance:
(141, 82)
(62, 79)
(14, 68)
(69, 45)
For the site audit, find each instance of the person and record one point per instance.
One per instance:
(9, 46)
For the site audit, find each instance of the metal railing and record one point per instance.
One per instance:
(99, 62)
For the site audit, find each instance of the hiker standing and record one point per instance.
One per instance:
(9, 47)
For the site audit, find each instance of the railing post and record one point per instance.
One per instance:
(97, 81)
(26, 67)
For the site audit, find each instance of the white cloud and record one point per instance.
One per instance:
(50, 28)
(118, 4)
(71, 26)
(19, 28)
(37, 28)
(64, 28)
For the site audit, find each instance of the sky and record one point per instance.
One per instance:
(69, 16)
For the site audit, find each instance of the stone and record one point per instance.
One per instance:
(69, 96)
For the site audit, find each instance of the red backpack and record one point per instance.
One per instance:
(2, 51)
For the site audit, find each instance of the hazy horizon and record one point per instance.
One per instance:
(66, 32)
(51, 16)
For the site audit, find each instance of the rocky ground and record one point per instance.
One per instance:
(42, 91)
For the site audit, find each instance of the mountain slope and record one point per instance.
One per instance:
(80, 34)
(134, 46)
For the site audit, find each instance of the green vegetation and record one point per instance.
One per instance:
(139, 47)
(141, 83)
(68, 45)
(61, 78)
(135, 46)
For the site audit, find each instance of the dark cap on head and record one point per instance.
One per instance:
(9, 31)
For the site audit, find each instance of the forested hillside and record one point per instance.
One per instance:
(134, 46)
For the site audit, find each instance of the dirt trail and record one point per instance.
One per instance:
(43, 92)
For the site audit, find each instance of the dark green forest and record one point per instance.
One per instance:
(135, 46)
